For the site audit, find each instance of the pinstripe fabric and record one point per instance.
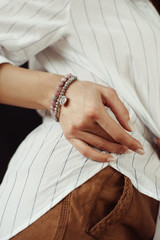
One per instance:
(115, 43)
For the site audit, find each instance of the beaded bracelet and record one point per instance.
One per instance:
(59, 99)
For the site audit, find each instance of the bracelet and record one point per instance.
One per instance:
(59, 99)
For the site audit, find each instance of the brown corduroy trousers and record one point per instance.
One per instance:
(106, 207)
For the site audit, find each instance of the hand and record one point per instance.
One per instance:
(85, 122)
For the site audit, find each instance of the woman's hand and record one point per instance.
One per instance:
(85, 122)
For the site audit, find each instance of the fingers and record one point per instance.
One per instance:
(90, 152)
(92, 117)
(111, 100)
(118, 134)
(101, 143)
(97, 130)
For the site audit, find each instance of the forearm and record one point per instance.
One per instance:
(26, 88)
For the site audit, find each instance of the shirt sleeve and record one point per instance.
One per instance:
(28, 27)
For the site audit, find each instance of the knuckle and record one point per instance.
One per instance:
(118, 138)
(70, 132)
(67, 136)
(100, 146)
(84, 152)
(80, 124)
(121, 150)
(132, 146)
(112, 93)
(92, 112)
(101, 158)
(124, 112)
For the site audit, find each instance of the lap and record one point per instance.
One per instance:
(107, 206)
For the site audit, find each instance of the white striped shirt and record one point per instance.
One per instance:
(115, 43)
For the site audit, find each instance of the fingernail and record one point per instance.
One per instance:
(128, 151)
(111, 159)
(140, 151)
(131, 126)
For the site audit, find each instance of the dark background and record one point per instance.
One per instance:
(16, 123)
(156, 3)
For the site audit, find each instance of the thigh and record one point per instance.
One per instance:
(107, 206)
(69, 218)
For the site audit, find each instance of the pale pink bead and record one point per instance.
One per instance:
(61, 84)
(63, 79)
(68, 75)
(56, 93)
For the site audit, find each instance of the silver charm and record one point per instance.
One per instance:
(63, 100)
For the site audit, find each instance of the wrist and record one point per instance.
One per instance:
(59, 98)
(51, 81)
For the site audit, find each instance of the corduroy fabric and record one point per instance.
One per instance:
(106, 207)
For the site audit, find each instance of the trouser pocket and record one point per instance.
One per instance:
(112, 204)
(121, 212)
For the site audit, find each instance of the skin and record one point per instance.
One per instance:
(84, 126)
